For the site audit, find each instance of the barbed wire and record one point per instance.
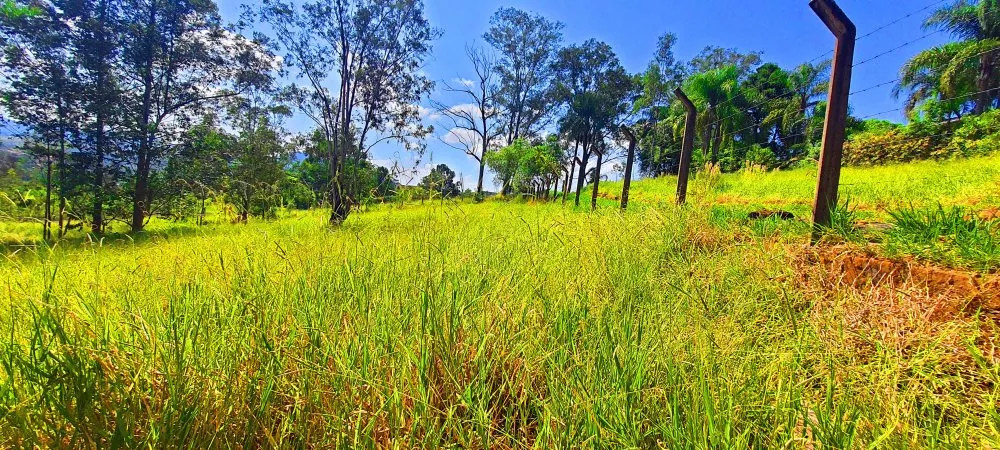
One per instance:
(896, 49)
(957, 97)
(863, 62)
(893, 22)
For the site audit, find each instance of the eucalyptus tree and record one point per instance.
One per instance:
(596, 92)
(259, 153)
(526, 45)
(178, 58)
(713, 58)
(967, 68)
(361, 63)
(473, 127)
(40, 88)
(98, 37)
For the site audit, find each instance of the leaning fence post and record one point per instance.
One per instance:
(836, 112)
(684, 168)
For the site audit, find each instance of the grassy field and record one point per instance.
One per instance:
(498, 326)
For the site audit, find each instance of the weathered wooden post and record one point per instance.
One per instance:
(627, 182)
(836, 112)
(687, 147)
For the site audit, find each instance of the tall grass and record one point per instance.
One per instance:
(972, 182)
(472, 326)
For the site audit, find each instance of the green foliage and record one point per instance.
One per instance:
(761, 157)
(950, 235)
(10, 9)
(441, 181)
(521, 167)
(970, 136)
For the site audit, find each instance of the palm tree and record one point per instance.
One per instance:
(808, 83)
(966, 68)
(716, 90)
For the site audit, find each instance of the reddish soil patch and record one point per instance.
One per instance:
(990, 214)
(906, 303)
(965, 292)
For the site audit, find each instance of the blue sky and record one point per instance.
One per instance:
(787, 31)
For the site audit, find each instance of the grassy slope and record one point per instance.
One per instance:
(495, 325)
(969, 182)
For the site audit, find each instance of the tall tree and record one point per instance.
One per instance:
(716, 90)
(177, 57)
(370, 51)
(259, 154)
(40, 93)
(527, 44)
(967, 68)
(714, 58)
(441, 180)
(473, 126)
(596, 90)
(98, 36)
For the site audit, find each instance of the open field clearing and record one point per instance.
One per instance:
(495, 326)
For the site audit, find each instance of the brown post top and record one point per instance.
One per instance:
(834, 18)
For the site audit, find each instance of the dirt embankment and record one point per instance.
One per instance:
(907, 303)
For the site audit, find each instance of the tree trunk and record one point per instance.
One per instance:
(339, 207)
(47, 229)
(626, 184)
(97, 227)
(139, 197)
(717, 143)
(597, 181)
(582, 178)
(201, 215)
(62, 182)
(986, 68)
(479, 183)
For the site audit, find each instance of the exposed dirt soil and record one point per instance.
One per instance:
(907, 304)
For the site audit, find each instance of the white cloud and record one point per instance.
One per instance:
(465, 82)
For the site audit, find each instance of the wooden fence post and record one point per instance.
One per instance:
(836, 112)
(687, 147)
(627, 182)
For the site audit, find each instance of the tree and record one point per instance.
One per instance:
(967, 68)
(40, 94)
(259, 155)
(370, 51)
(526, 168)
(527, 44)
(441, 180)
(98, 35)
(596, 91)
(716, 90)
(473, 127)
(713, 58)
(178, 57)
(198, 168)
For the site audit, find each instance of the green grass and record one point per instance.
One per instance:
(972, 182)
(472, 326)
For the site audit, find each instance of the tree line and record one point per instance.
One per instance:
(136, 108)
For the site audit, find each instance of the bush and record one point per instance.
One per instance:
(761, 157)
(921, 140)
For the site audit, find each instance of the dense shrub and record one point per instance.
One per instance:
(969, 136)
